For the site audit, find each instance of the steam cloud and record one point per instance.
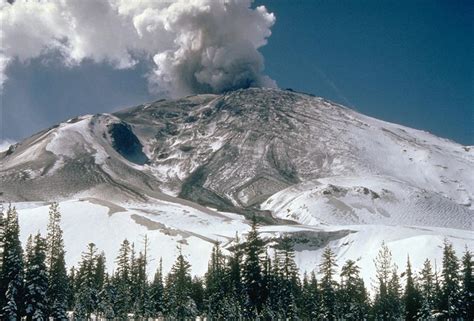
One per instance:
(196, 46)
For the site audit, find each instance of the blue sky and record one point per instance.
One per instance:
(408, 62)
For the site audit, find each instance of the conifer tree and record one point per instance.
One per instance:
(197, 293)
(387, 301)
(352, 295)
(467, 289)
(157, 291)
(215, 287)
(234, 285)
(71, 289)
(274, 308)
(252, 273)
(310, 299)
(87, 293)
(122, 279)
(411, 297)
(290, 285)
(107, 297)
(394, 292)
(427, 292)
(11, 280)
(451, 296)
(139, 285)
(180, 304)
(133, 285)
(100, 273)
(328, 285)
(146, 305)
(438, 292)
(36, 279)
(58, 285)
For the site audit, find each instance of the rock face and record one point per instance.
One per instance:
(245, 151)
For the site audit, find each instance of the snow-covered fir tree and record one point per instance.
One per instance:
(87, 292)
(36, 279)
(450, 290)
(467, 288)
(252, 272)
(58, 285)
(178, 291)
(122, 279)
(310, 298)
(156, 291)
(387, 301)
(352, 295)
(328, 285)
(411, 296)
(215, 288)
(11, 280)
(428, 302)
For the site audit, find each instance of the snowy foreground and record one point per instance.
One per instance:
(168, 225)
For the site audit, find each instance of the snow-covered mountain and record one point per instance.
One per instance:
(192, 170)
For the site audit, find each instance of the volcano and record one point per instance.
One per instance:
(194, 170)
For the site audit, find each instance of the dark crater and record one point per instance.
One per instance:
(127, 144)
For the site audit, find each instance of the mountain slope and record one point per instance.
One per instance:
(191, 171)
(234, 151)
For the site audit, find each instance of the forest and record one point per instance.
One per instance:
(251, 280)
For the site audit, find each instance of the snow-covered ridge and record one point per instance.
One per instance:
(366, 200)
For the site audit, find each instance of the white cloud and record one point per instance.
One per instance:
(195, 45)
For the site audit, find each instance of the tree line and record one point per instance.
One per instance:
(252, 281)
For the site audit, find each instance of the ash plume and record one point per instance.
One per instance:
(192, 46)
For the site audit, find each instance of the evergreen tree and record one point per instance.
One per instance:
(87, 293)
(290, 280)
(157, 292)
(72, 289)
(451, 296)
(411, 297)
(197, 294)
(395, 295)
(11, 280)
(427, 292)
(107, 297)
(234, 285)
(467, 294)
(58, 285)
(215, 287)
(310, 299)
(147, 305)
(328, 285)
(121, 281)
(352, 295)
(252, 273)
(36, 279)
(274, 308)
(438, 293)
(100, 275)
(387, 301)
(138, 282)
(180, 304)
